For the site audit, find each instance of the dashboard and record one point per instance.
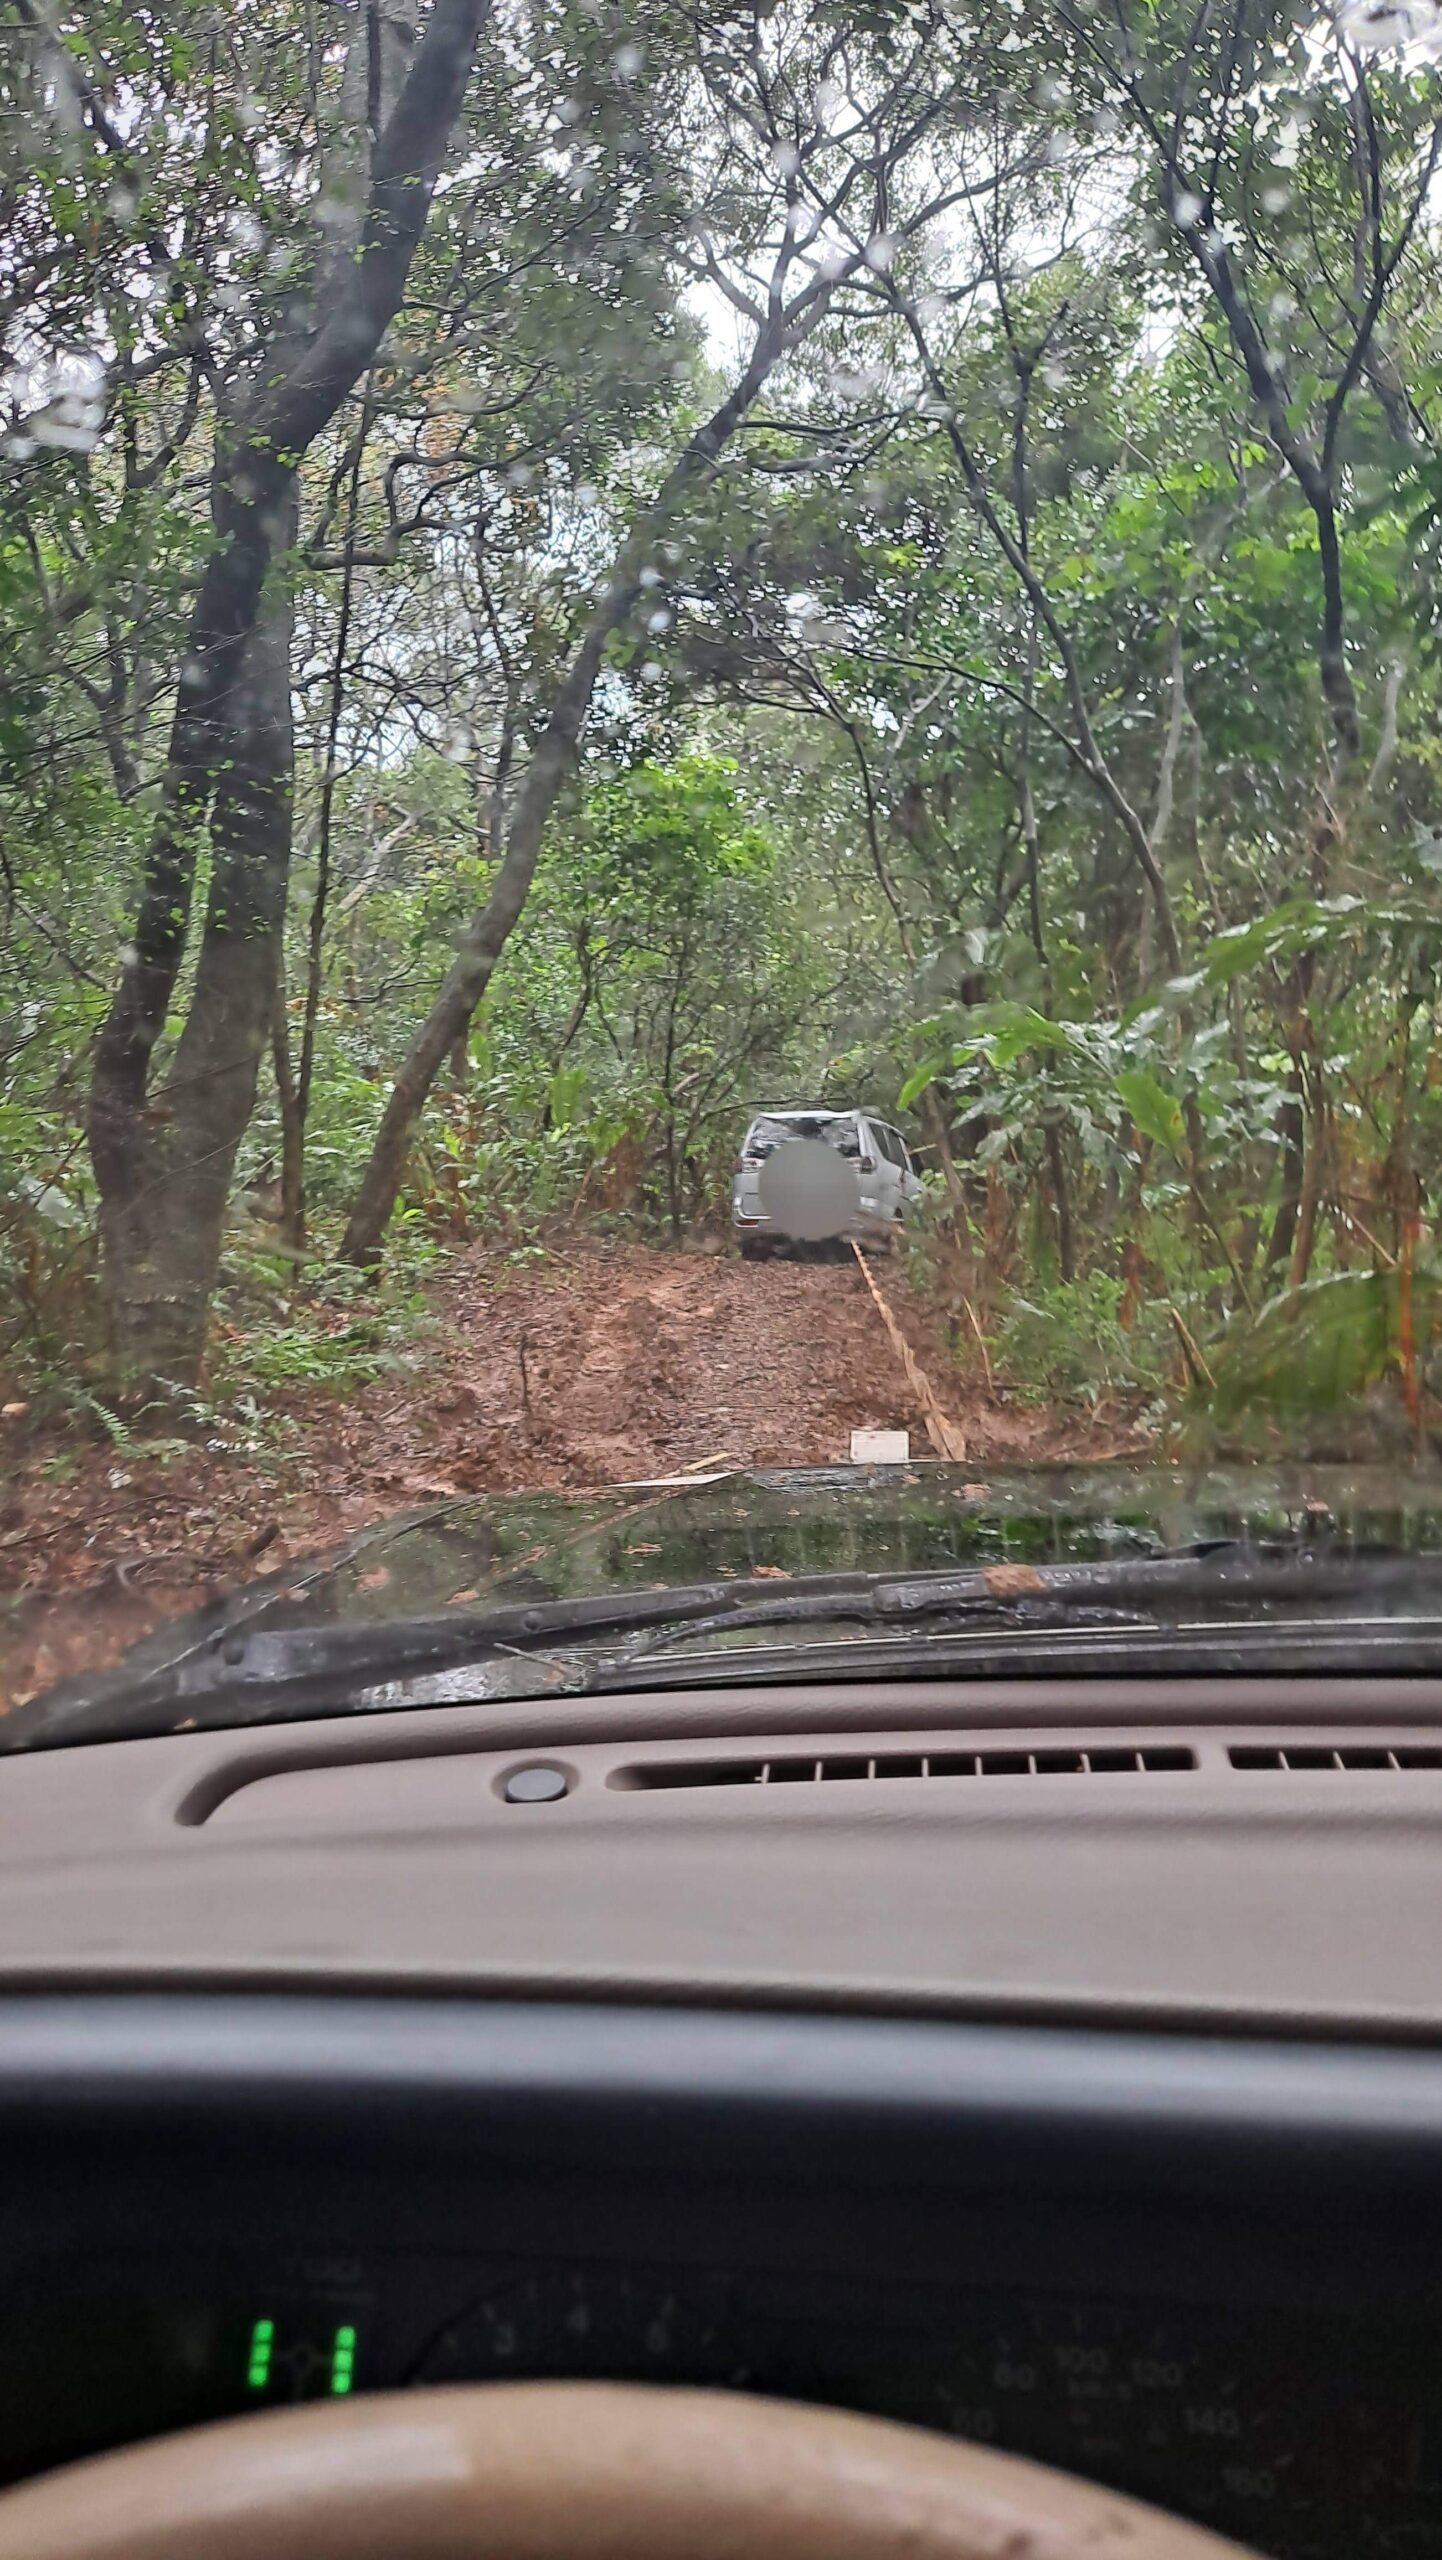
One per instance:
(1074, 2087)
(1209, 2274)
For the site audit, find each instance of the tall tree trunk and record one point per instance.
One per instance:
(1031, 839)
(293, 1131)
(161, 1227)
(292, 1127)
(1290, 1129)
(1310, 1200)
(935, 1113)
(163, 1162)
(485, 937)
(1061, 1204)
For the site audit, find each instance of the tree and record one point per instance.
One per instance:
(688, 955)
(869, 414)
(797, 259)
(163, 1152)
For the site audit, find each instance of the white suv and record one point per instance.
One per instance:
(888, 1179)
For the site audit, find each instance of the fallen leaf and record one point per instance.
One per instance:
(462, 1599)
(643, 1551)
(12, 1412)
(1011, 1581)
(975, 1492)
(769, 1573)
(376, 1580)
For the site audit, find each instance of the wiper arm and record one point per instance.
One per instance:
(1221, 1578)
(259, 1669)
(238, 1675)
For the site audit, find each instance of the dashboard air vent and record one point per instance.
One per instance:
(1346, 1755)
(1106, 1761)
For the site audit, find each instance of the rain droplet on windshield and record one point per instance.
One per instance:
(1388, 26)
(62, 403)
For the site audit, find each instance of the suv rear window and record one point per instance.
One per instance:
(766, 1134)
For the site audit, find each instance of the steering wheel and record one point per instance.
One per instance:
(576, 2471)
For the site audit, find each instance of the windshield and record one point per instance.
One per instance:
(566, 564)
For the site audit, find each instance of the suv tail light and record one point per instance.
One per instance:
(868, 1164)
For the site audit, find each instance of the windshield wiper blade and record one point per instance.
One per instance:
(1213, 1647)
(1224, 1575)
(241, 1674)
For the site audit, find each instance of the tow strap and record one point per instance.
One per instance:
(947, 1437)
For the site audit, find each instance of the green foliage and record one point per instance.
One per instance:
(853, 813)
(303, 1355)
(648, 847)
(1310, 926)
(1317, 1349)
(1073, 1340)
(1114, 1082)
(1155, 1113)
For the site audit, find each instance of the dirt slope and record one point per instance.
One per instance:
(652, 1362)
(594, 1366)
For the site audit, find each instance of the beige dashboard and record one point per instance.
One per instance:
(1263, 1854)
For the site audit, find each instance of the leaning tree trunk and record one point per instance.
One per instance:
(487, 934)
(163, 1158)
(485, 937)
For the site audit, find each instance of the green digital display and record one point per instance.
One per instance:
(315, 2359)
(262, 2348)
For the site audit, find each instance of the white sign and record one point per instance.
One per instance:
(880, 1448)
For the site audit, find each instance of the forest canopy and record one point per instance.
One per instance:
(568, 570)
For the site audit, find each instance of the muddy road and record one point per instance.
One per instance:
(594, 1365)
(665, 1361)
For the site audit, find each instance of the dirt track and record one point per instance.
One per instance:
(594, 1366)
(659, 1361)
